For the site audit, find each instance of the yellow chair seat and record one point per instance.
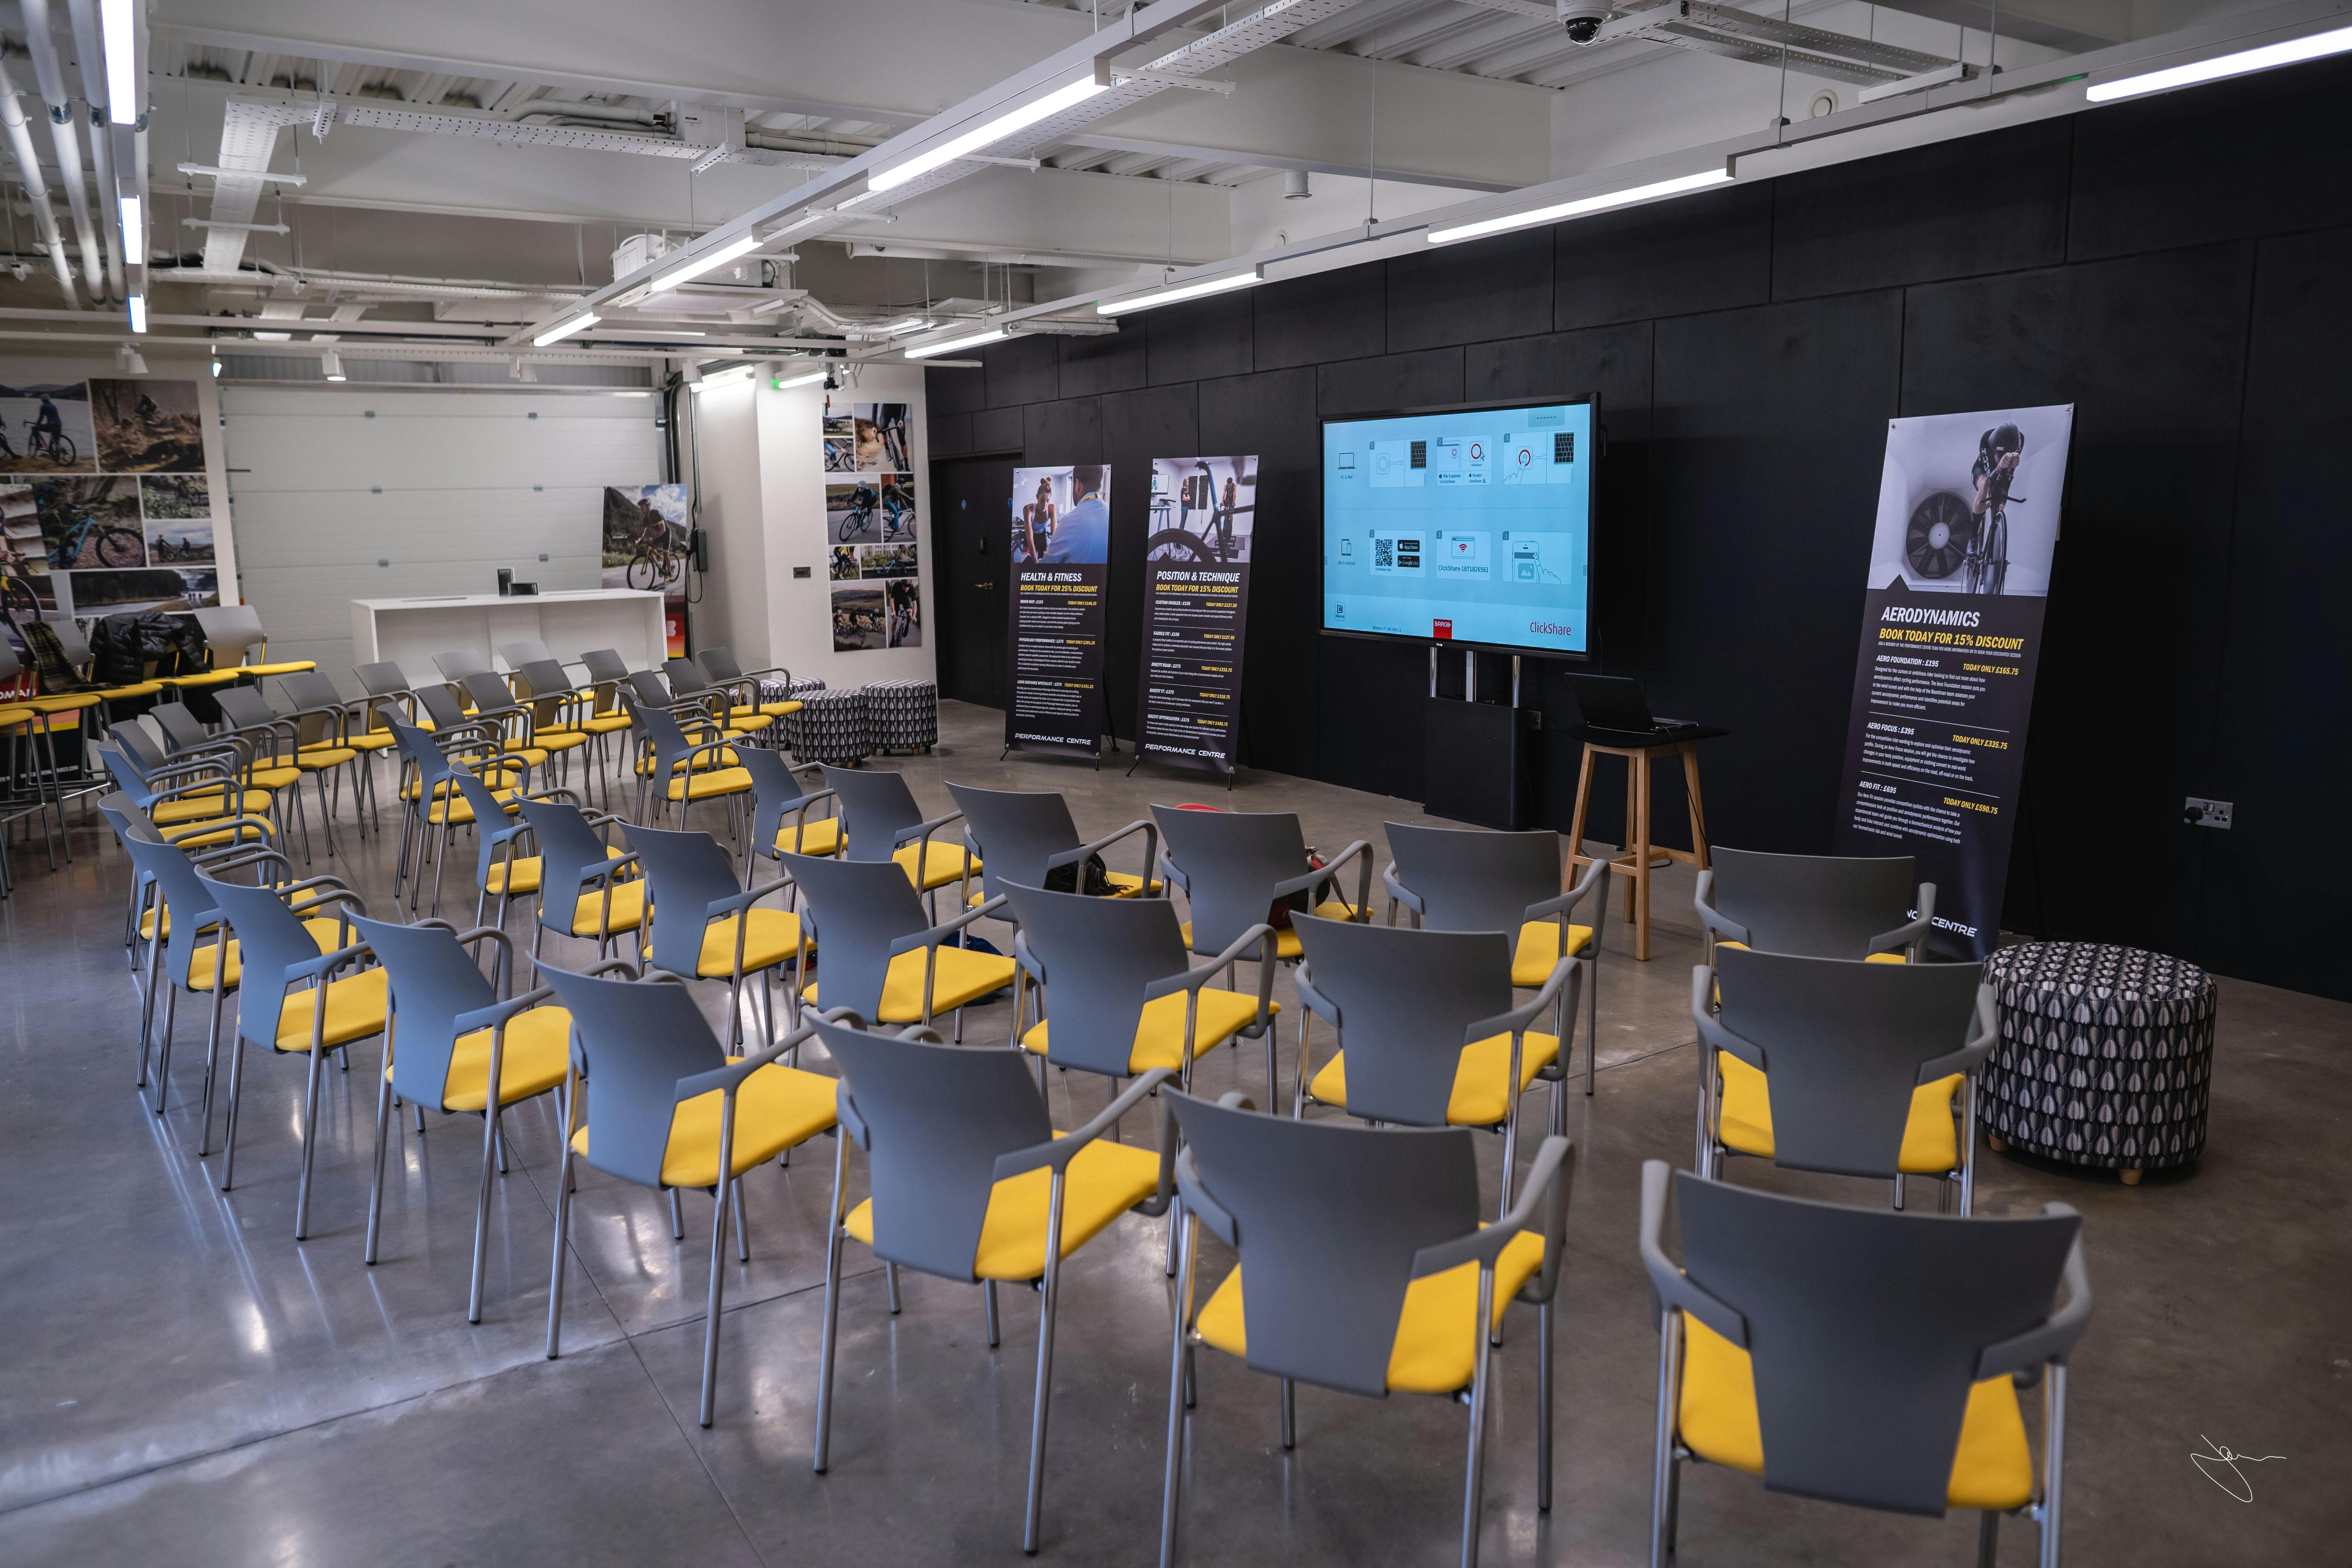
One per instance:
(1867, 958)
(605, 723)
(1931, 1143)
(1105, 1181)
(137, 688)
(703, 762)
(273, 778)
(942, 864)
(1159, 1035)
(460, 811)
(535, 755)
(962, 976)
(315, 759)
(289, 666)
(1992, 1468)
(206, 804)
(196, 836)
(1286, 941)
(62, 703)
(748, 721)
(778, 710)
(546, 740)
(818, 835)
(355, 1009)
(199, 963)
(538, 1054)
(1436, 1339)
(374, 740)
(628, 909)
(492, 774)
(770, 936)
(204, 677)
(147, 922)
(710, 786)
(1479, 1099)
(777, 1107)
(1539, 950)
(524, 875)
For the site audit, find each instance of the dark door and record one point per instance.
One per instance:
(975, 587)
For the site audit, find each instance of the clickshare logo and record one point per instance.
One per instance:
(1549, 630)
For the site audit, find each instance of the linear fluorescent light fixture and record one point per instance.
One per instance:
(724, 377)
(709, 261)
(1580, 207)
(2294, 51)
(969, 340)
(138, 312)
(810, 379)
(1175, 292)
(134, 231)
(562, 329)
(117, 31)
(332, 364)
(987, 132)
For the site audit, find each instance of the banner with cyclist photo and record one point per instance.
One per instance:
(1061, 568)
(1195, 604)
(646, 532)
(1959, 573)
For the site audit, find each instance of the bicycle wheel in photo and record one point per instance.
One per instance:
(60, 450)
(121, 547)
(649, 572)
(1178, 544)
(1989, 568)
(16, 598)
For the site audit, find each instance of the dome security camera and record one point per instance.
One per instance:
(1583, 18)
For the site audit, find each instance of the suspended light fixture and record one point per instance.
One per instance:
(562, 329)
(332, 364)
(994, 129)
(969, 340)
(1581, 205)
(2294, 51)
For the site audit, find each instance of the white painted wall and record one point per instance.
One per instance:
(444, 487)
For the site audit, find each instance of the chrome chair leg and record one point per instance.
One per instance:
(375, 1176)
(1289, 1414)
(831, 1335)
(1474, 1489)
(1178, 1385)
(1045, 1365)
(677, 1217)
(491, 1156)
(988, 1301)
(563, 1227)
(1987, 1539)
(719, 1206)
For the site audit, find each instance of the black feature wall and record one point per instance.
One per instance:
(2175, 268)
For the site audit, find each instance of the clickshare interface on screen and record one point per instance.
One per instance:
(1472, 528)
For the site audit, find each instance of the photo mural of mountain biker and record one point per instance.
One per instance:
(1998, 451)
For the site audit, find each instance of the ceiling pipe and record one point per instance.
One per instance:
(50, 76)
(92, 52)
(37, 187)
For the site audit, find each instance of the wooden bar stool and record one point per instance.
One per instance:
(1640, 856)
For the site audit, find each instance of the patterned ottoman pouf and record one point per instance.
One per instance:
(788, 728)
(2105, 1056)
(905, 714)
(832, 727)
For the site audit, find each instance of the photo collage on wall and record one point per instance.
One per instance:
(869, 517)
(104, 504)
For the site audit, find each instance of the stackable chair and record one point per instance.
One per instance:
(1123, 997)
(559, 709)
(240, 648)
(503, 870)
(258, 766)
(1862, 1357)
(459, 663)
(883, 823)
(518, 654)
(1828, 1064)
(1464, 879)
(743, 685)
(969, 1182)
(388, 686)
(677, 768)
(277, 741)
(585, 889)
(184, 796)
(314, 697)
(1816, 906)
(707, 927)
(667, 1109)
(883, 959)
(441, 802)
(687, 681)
(518, 722)
(1368, 1271)
(451, 1034)
(780, 823)
(1027, 836)
(33, 786)
(1428, 1036)
(290, 1000)
(452, 724)
(651, 688)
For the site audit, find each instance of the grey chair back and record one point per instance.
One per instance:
(1843, 1042)
(1098, 954)
(70, 641)
(648, 687)
(181, 727)
(720, 664)
(518, 654)
(311, 689)
(1819, 906)
(433, 766)
(936, 1118)
(231, 630)
(245, 708)
(545, 677)
(382, 679)
(875, 808)
(131, 758)
(1865, 1329)
(1470, 880)
(441, 706)
(862, 908)
(671, 746)
(1404, 999)
(774, 791)
(434, 982)
(685, 677)
(490, 692)
(459, 663)
(686, 873)
(1327, 1217)
(637, 1040)
(570, 852)
(1230, 861)
(1016, 832)
(605, 665)
(180, 891)
(493, 829)
(271, 942)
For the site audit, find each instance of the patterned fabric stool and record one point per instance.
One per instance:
(2105, 1056)
(905, 714)
(832, 728)
(788, 728)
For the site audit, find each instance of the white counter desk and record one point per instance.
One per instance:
(410, 632)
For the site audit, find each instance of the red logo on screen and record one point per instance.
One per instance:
(1442, 630)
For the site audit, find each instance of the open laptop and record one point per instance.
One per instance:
(1617, 703)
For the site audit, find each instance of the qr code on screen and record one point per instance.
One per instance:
(1385, 554)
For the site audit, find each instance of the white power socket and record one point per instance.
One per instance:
(2202, 813)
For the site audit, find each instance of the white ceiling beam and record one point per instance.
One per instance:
(1095, 143)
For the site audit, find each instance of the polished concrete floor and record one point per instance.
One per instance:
(181, 1381)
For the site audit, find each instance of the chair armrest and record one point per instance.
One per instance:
(325, 965)
(1518, 1018)
(1322, 1006)
(1711, 1031)
(497, 1012)
(1143, 824)
(1596, 877)
(1026, 960)
(1261, 936)
(1547, 1179)
(1912, 933)
(1329, 872)
(2054, 1338)
(925, 829)
(1669, 1286)
(744, 900)
(1984, 1033)
(730, 1076)
(1057, 1152)
(939, 933)
(1398, 892)
(1704, 902)
(845, 1117)
(1212, 1215)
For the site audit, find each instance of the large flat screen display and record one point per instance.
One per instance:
(1472, 527)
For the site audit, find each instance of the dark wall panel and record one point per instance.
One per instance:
(1069, 431)
(948, 391)
(1877, 222)
(1614, 362)
(1423, 380)
(951, 434)
(996, 430)
(2150, 351)
(1193, 343)
(1499, 288)
(1112, 363)
(1022, 370)
(1136, 427)
(1707, 252)
(1333, 315)
(1273, 414)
